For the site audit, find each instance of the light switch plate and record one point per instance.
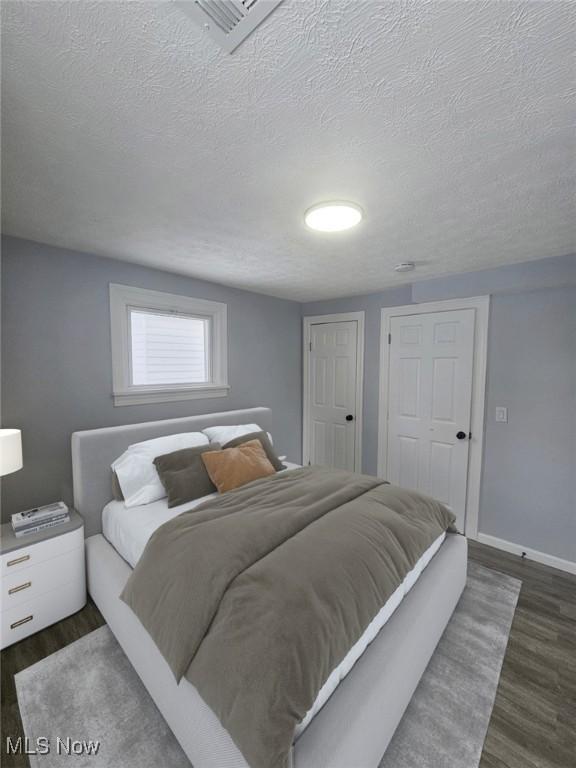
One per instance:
(501, 414)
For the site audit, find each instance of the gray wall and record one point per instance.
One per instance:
(529, 484)
(56, 360)
(527, 493)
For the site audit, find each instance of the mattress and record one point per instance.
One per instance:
(128, 530)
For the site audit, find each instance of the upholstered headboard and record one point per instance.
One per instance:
(94, 450)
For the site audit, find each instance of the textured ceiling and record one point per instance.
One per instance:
(127, 132)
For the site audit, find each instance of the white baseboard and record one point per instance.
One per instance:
(531, 554)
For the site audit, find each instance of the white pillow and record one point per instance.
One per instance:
(223, 435)
(136, 472)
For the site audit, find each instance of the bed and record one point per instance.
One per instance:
(362, 702)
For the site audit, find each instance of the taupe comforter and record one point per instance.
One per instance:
(257, 596)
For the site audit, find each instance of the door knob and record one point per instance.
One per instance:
(461, 435)
(349, 417)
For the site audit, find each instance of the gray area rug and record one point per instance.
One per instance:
(89, 690)
(445, 724)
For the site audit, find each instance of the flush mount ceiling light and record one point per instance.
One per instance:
(335, 216)
(404, 266)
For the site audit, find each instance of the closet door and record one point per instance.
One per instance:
(430, 395)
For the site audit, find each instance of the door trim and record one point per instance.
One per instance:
(482, 306)
(335, 318)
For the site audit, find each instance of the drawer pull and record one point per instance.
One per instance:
(18, 560)
(22, 621)
(19, 588)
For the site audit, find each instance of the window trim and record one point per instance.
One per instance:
(122, 299)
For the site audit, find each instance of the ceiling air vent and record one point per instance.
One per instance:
(229, 22)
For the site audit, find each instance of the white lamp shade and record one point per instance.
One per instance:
(10, 451)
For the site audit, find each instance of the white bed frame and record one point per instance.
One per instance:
(355, 726)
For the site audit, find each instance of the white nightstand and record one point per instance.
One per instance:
(43, 578)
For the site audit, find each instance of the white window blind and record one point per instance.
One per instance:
(169, 348)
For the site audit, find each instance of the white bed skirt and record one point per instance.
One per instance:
(355, 726)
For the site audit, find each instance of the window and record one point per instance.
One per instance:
(166, 347)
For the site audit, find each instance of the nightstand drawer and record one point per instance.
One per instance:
(28, 583)
(29, 555)
(46, 609)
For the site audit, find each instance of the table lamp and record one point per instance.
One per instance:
(10, 451)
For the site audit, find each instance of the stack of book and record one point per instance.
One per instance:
(34, 520)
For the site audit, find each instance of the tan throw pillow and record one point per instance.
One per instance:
(234, 467)
(266, 444)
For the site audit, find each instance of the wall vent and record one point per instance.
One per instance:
(229, 22)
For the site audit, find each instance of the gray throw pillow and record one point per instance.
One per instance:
(266, 444)
(184, 475)
(117, 494)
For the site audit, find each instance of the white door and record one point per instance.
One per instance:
(332, 395)
(429, 405)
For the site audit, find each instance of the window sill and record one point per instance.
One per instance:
(170, 395)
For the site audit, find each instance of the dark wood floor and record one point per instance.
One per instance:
(533, 724)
